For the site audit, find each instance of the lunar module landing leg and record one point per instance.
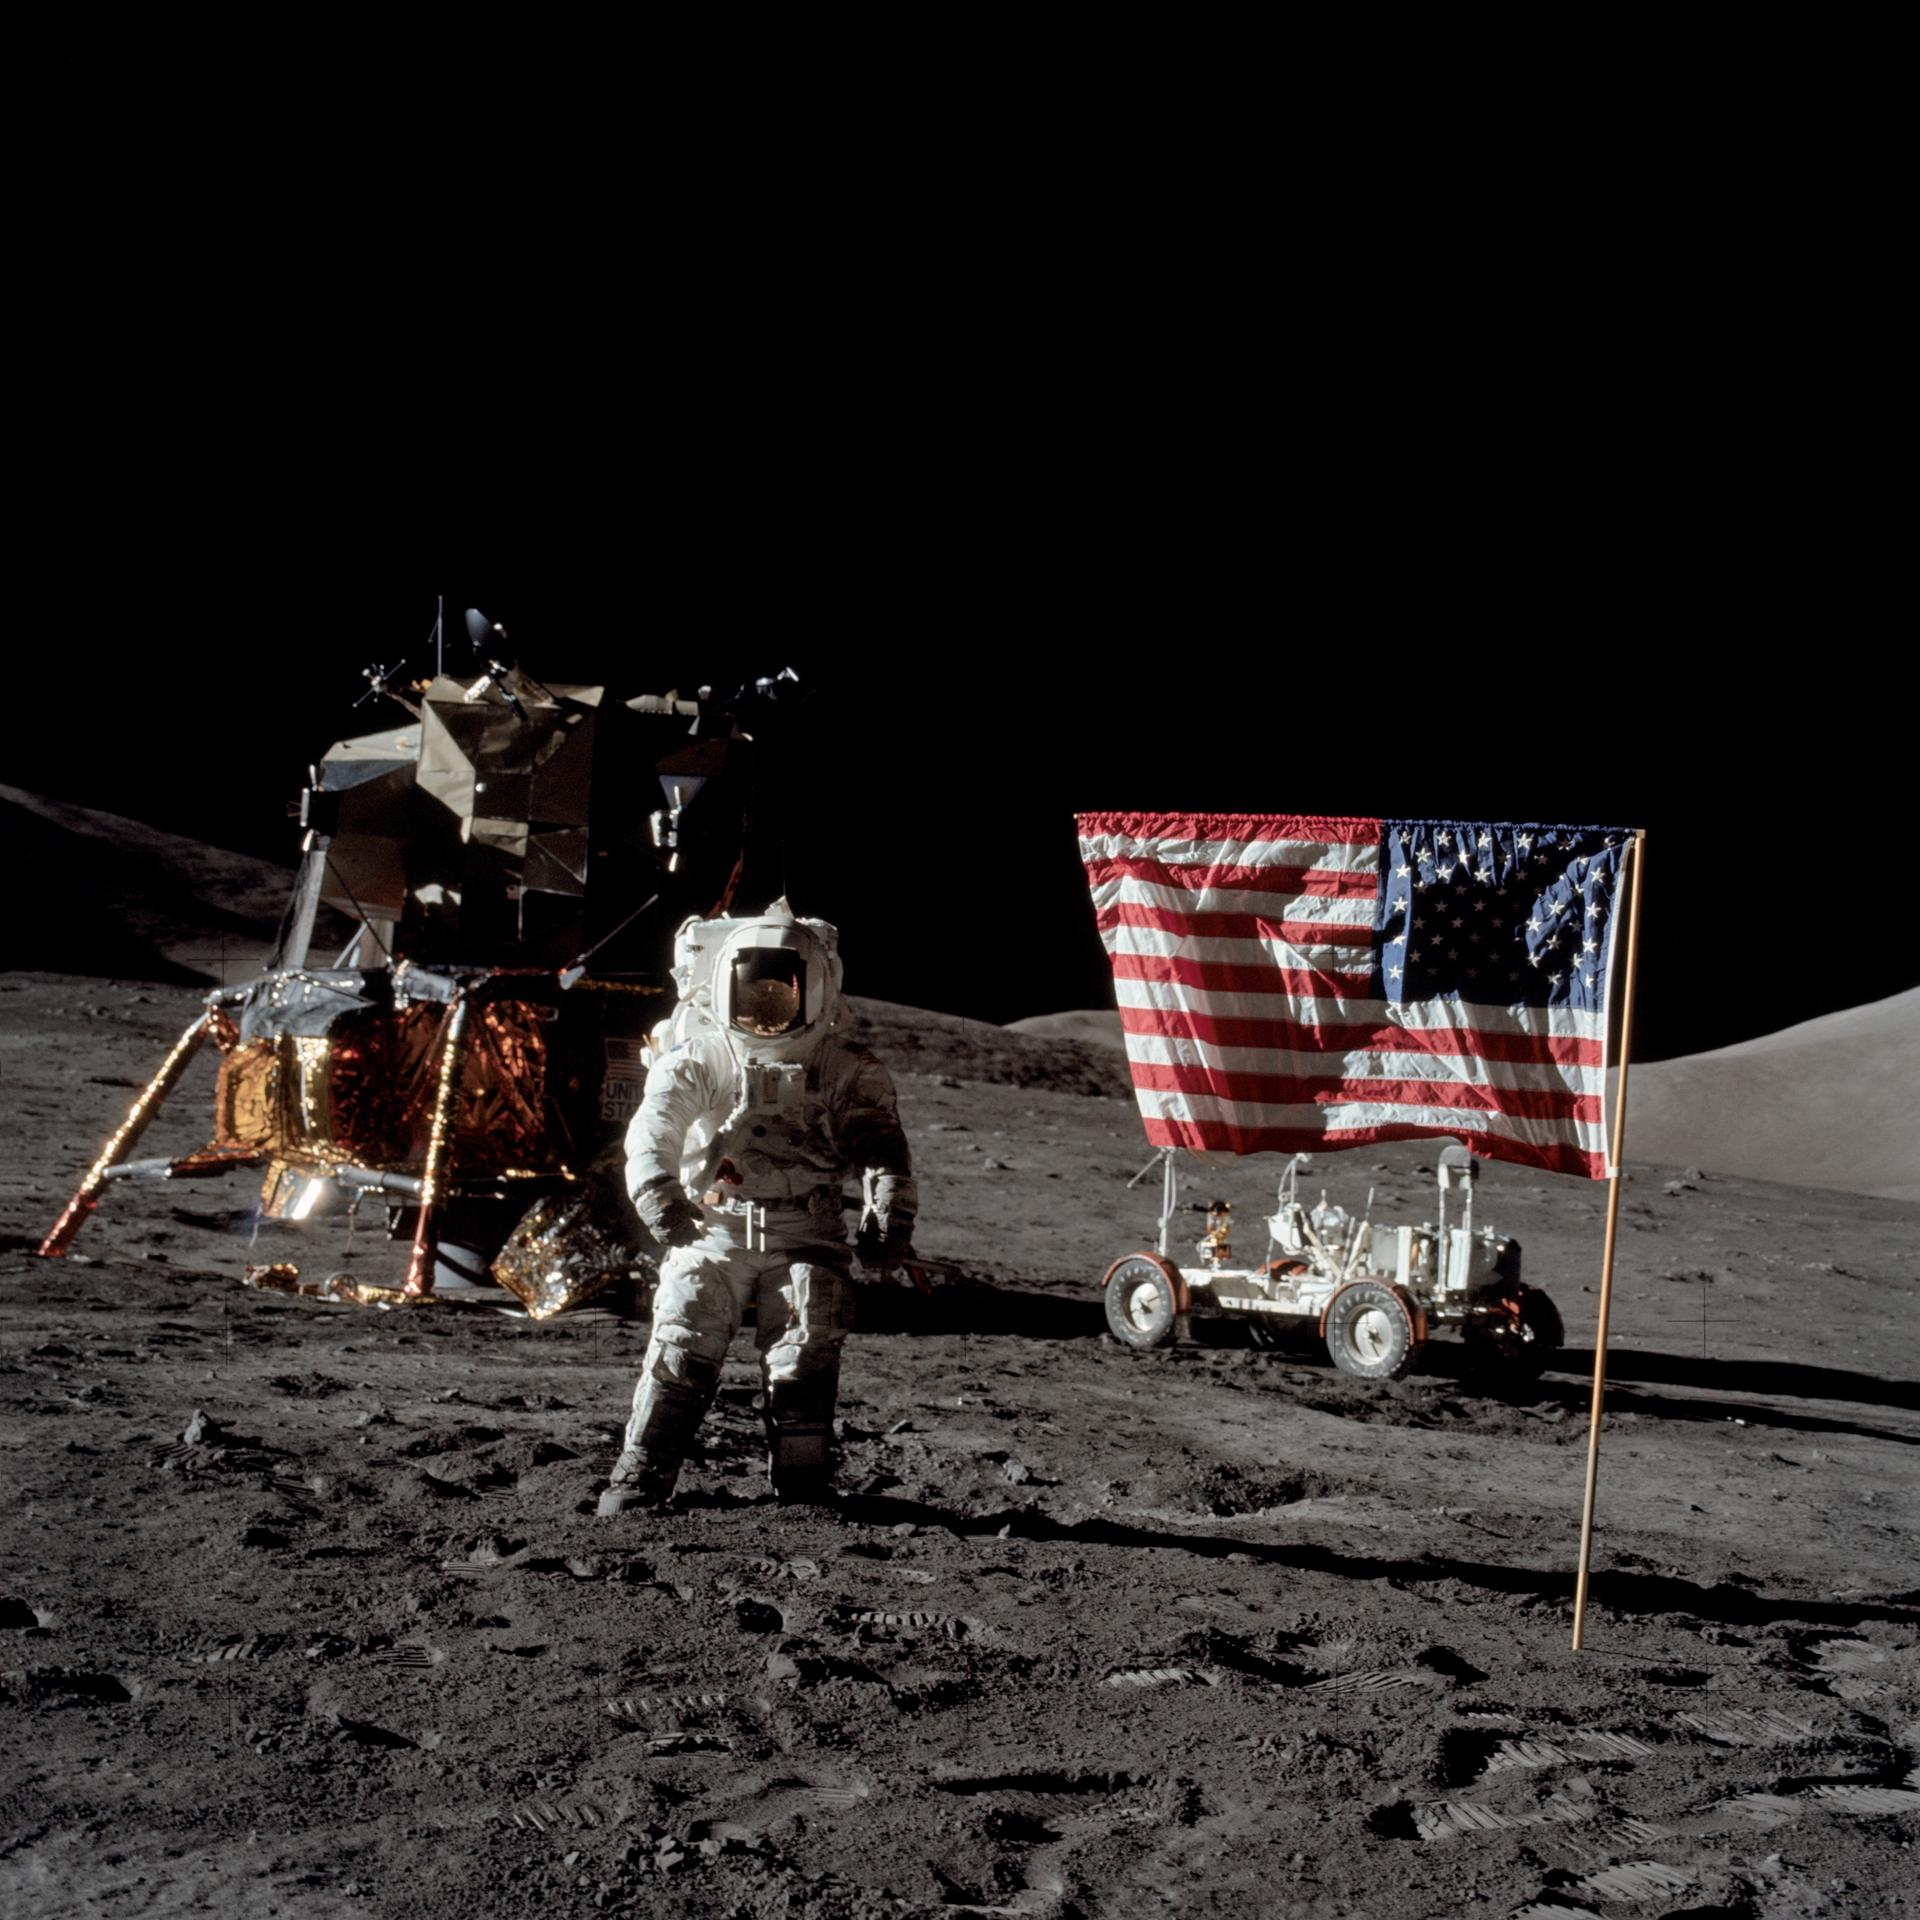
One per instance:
(419, 1285)
(113, 1156)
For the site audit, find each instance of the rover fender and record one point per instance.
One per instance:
(1182, 1303)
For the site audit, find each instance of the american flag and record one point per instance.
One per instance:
(1290, 984)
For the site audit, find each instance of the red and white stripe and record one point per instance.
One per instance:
(1242, 951)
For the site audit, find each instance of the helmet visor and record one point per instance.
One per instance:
(769, 992)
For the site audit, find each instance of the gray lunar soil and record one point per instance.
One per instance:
(305, 1609)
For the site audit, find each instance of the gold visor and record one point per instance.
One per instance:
(764, 1008)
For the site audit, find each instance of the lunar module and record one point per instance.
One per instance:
(514, 858)
(1373, 1293)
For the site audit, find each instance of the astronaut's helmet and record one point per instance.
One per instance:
(771, 982)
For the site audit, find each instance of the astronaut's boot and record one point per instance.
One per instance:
(800, 1437)
(637, 1485)
(658, 1435)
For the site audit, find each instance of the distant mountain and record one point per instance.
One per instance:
(913, 1040)
(1092, 1028)
(1829, 1103)
(95, 894)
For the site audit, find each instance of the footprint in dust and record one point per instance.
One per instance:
(1849, 1668)
(483, 1551)
(1842, 1655)
(777, 1801)
(1638, 1880)
(579, 1815)
(671, 1713)
(795, 1570)
(300, 1495)
(1748, 1727)
(1346, 1666)
(1371, 1680)
(1573, 1804)
(238, 1459)
(1048, 1811)
(957, 1897)
(1470, 1755)
(444, 1488)
(486, 1483)
(409, 1656)
(876, 1623)
(1862, 1799)
(1148, 1677)
(244, 1646)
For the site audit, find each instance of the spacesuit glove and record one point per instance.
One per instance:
(668, 1214)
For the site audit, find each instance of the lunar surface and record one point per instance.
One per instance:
(306, 1610)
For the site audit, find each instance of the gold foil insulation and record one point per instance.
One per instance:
(282, 1276)
(567, 1248)
(441, 1091)
(365, 1093)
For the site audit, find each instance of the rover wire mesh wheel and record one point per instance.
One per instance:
(1370, 1331)
(1520, 1346)
(1540, 1324)
(1140, 1301)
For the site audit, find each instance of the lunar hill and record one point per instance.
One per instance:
(1827, 1103)
(117, 899)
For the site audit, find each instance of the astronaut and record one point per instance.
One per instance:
(756, 1108)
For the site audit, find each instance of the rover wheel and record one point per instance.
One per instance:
(1526, 1344)
(1370, 1331)
(1140, 1302)
(1542, 1326)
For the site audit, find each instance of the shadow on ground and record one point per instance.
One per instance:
(1725, 1602)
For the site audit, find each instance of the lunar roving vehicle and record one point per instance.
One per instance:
(1374, 1294)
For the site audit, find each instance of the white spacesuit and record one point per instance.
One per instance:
(756, 1108)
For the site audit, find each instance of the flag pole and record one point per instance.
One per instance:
(1606, 1258)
